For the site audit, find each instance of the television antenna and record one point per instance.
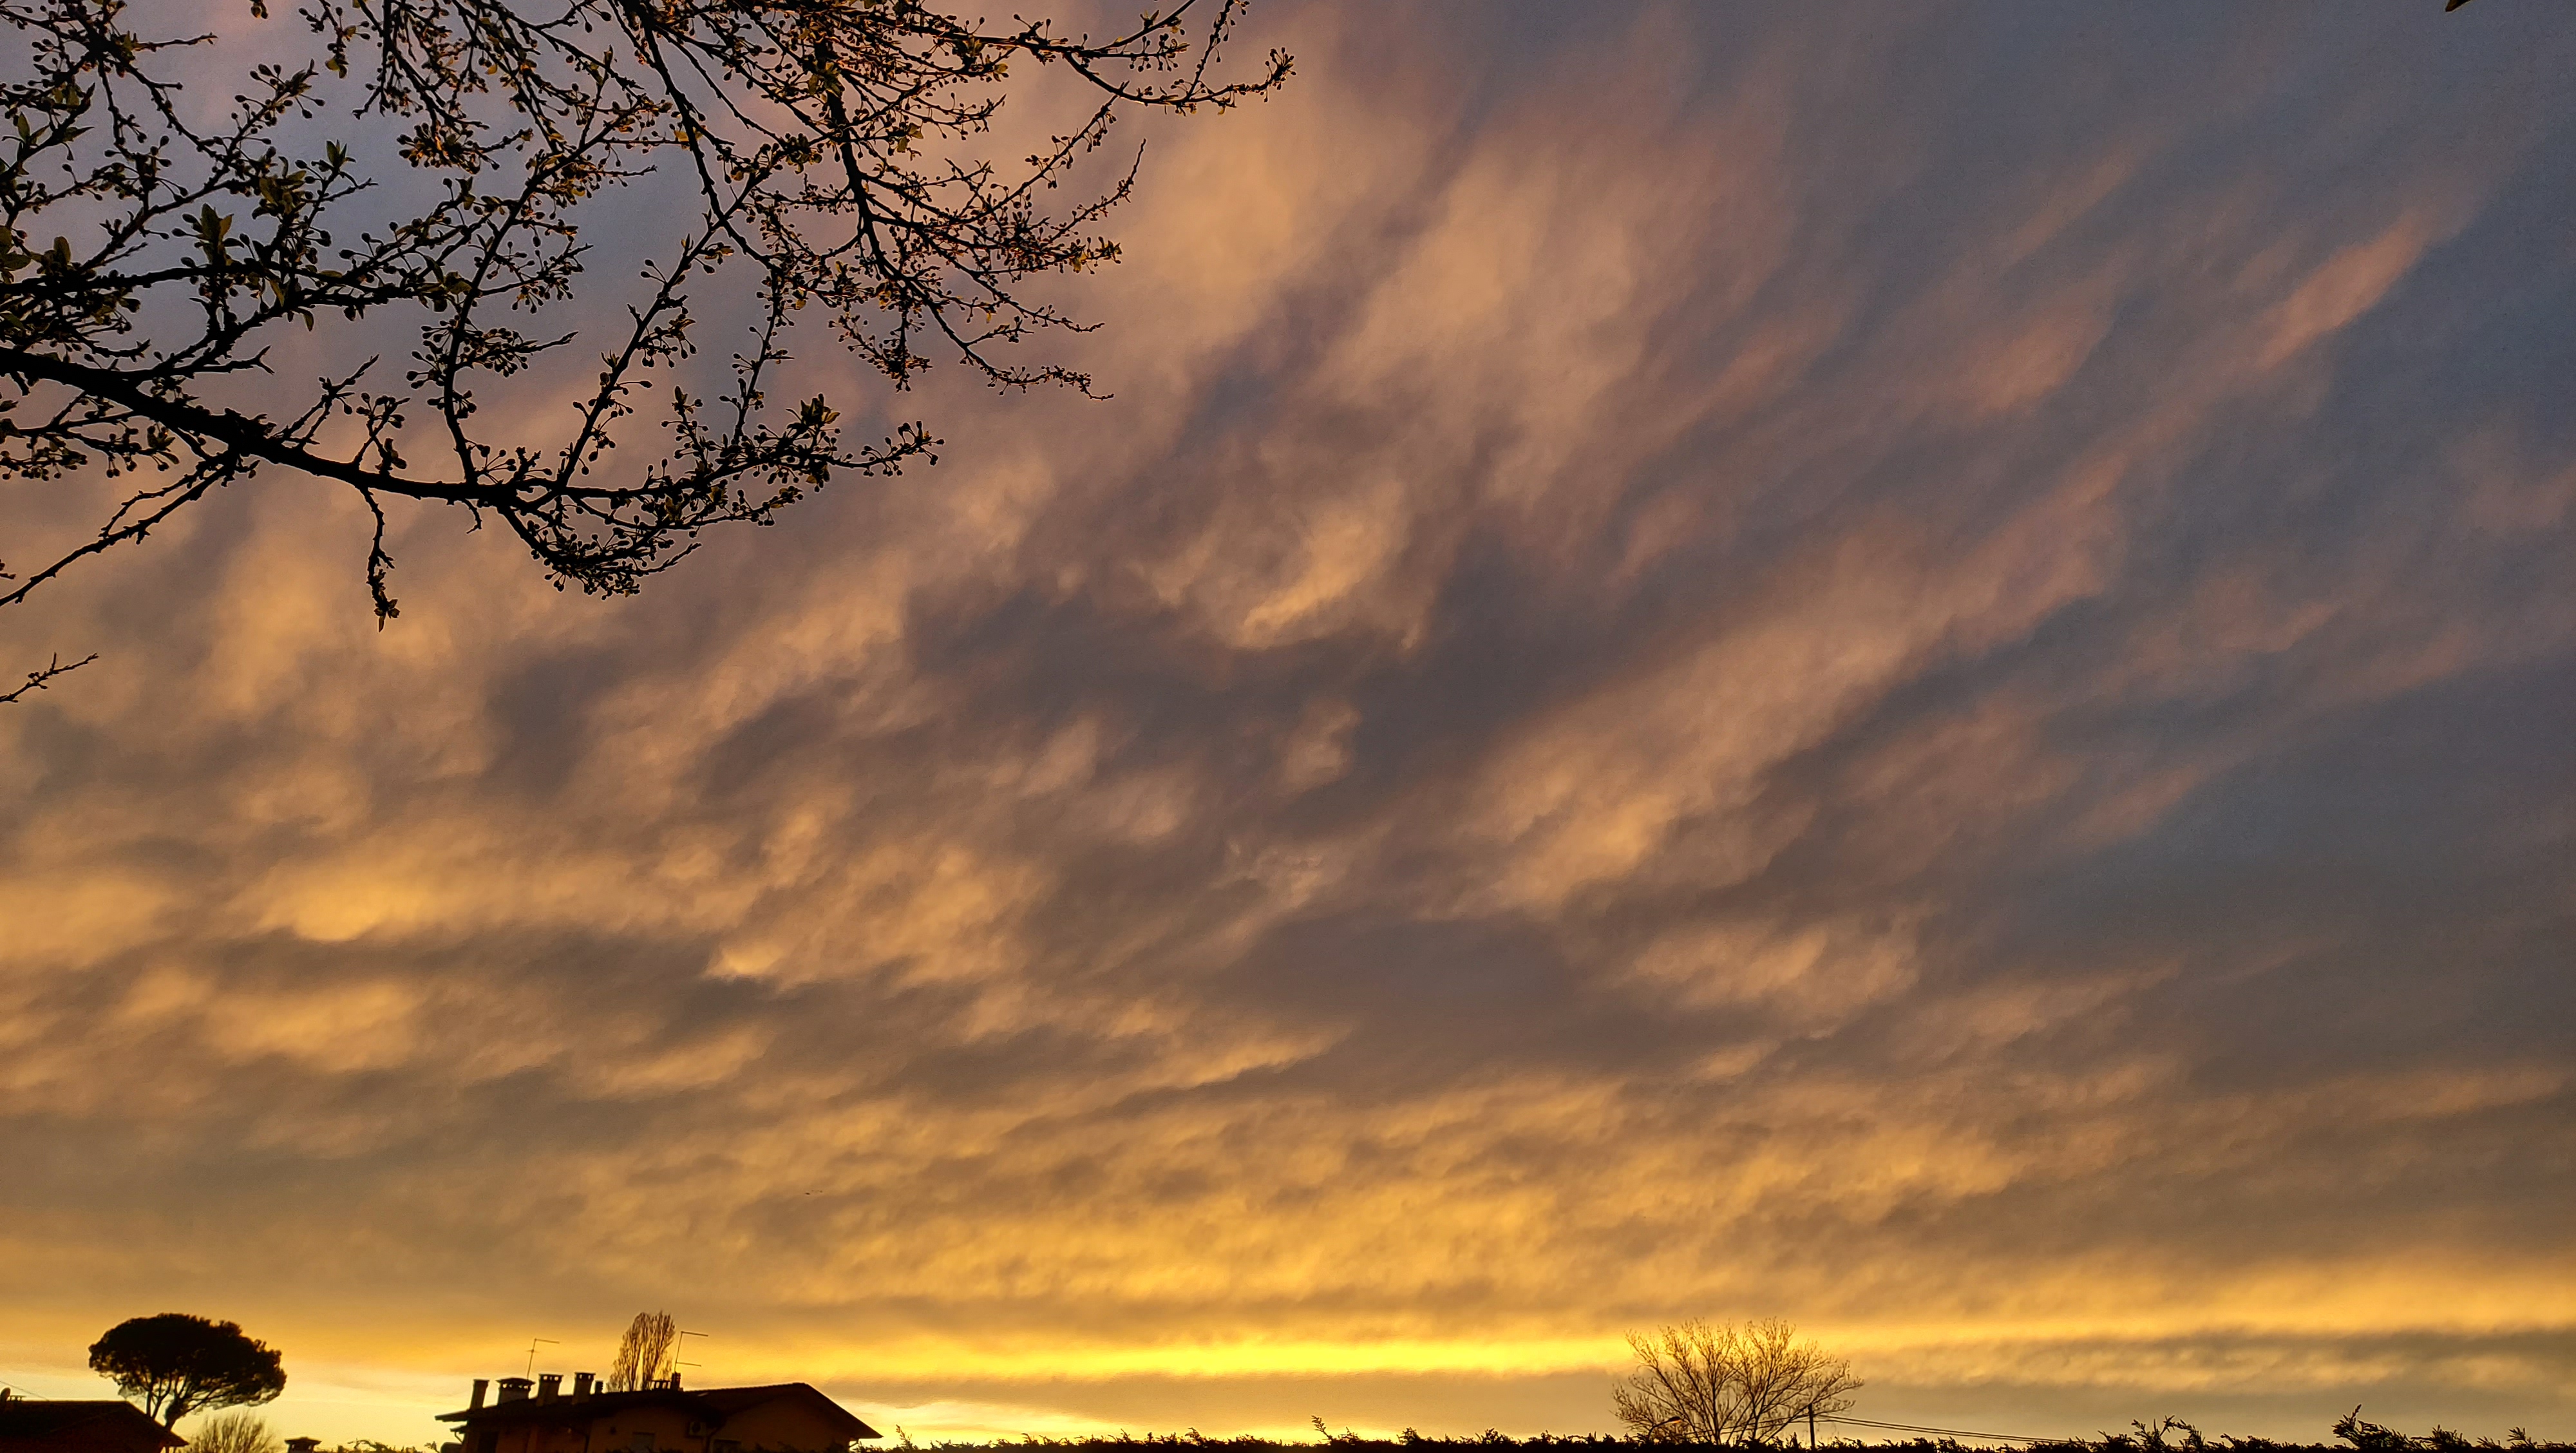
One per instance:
(532, 1352)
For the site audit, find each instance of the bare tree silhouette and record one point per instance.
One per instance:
(430, 166)
(234, 1433)
(1695, 1383)
(644, 1354)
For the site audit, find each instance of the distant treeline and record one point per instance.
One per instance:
(2165, 1435)
(2111, 1443)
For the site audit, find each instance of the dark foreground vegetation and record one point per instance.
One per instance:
(2164, 1435)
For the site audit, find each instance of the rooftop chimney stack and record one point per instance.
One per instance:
(549, 1385)
(513, 1389)
(581, 1384)
(480, 1385)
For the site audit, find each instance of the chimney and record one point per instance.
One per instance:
(549, 1385)
(581, 1384)
(675, 1379)
(480, 1384)
(513, 1389)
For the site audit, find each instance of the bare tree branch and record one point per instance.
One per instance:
(838, 156)
(39, 679)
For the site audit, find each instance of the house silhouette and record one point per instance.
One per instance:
(48, 1425)
(783, 1417)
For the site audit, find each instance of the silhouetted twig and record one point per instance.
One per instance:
(39, 680)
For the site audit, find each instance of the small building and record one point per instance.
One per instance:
(49, 1425)
(784, 1417)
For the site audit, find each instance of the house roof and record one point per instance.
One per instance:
(731, 1400)
(714, 1404)
(573, 1409)
(50, 1419)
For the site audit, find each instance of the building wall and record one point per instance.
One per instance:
(669, 1428)
(792, 1423)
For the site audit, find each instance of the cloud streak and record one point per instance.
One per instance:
(1912, 674)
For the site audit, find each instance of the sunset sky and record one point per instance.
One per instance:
(1908, 667)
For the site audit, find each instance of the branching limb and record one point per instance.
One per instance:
(38, 680)
(838, 153)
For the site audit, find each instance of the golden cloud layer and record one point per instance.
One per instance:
(1700, 671)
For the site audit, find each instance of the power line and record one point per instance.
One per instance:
(1947, 1432)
